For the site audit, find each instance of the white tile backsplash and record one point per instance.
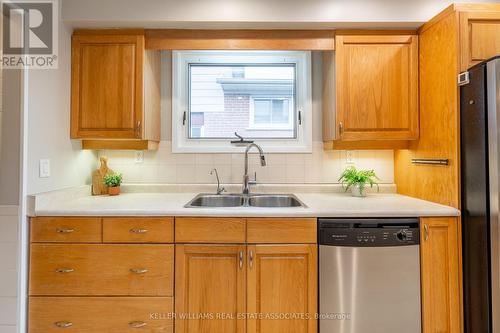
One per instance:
(162, 166)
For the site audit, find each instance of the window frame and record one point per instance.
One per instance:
(181, 141)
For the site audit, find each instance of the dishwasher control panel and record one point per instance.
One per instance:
(368, 232)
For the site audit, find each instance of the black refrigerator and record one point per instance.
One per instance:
(480, 158)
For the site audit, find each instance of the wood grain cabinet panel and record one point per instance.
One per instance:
(107, 86)
(479, 37)
(281, 230)
(115, 90)
(66, 229)
(376, 87)
(210, 283)
(101, 270)
(210, 230)
(440, 267)
(282, 280)
(138, 230)
(100, 314)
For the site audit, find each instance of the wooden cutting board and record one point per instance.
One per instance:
(98, 187)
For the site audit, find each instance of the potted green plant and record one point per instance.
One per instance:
(356, 180)
(113, 182)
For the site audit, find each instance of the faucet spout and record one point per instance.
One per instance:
(246, 180)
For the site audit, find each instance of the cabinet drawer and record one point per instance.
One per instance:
(66, 229)
(95, 270)
(209, 230)
(100, 314)
(138, 230)
(281, 230)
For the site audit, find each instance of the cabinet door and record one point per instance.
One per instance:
(377, 92)
(282, 288)
(479, 37)
(209, 288)
(107, 86)
(440, 265)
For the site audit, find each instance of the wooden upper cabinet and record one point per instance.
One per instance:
(376, 87)
(115, 88)
(479, 36)
(440, 267)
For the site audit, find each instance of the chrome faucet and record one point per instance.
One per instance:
(220, 189)
(246, 179)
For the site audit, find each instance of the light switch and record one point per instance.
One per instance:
(349, 157)
(44, 168)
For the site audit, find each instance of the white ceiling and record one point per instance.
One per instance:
(300, 14)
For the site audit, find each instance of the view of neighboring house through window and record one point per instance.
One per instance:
(264, 96)
(257, 101)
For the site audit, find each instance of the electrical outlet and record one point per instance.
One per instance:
(44, 168)
(349, 157)
(139, 156)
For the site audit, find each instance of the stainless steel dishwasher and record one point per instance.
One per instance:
(369, 275)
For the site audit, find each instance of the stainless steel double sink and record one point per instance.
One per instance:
(242, 200)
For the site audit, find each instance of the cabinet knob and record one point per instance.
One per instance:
(65, 230)
(251, 259)
(138, 231)
(137, 324)
(138, 270)
(138, 129)
(63, 324)
(64, 270)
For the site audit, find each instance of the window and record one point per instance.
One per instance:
(263, 96)
(272, 113)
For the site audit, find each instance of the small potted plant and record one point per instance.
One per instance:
(356, 180)
(113, 182)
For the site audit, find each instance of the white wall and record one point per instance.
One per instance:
(8, 268)
(319, 167)
(10, 137)
(48, 126)
(298, 13)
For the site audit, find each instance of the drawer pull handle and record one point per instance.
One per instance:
(64, 270)
(241, 259)
(138, 231)
(426, 232)
(137, 324)
(65, 230)
(251, 259)
(138, 270)
(63, 324)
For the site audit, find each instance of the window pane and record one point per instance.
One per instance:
(262, 112)
(255, 100)
(281, 112)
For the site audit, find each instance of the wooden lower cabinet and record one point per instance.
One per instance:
(440, 274)
(282, 287)
(235, 288)
(100, 314)
(210, 288)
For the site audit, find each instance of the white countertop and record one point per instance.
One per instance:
(79, 202)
